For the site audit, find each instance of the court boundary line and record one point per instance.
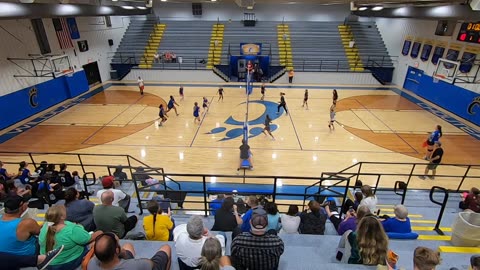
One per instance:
(295, 130)
(201, 122)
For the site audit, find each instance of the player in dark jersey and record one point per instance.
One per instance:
(171, 105)
(196, 112)
(262, 90)
(245, 153)
(282, 103)
(335, 96)
(305, 99)
(162, 114)
(267, 126)
(180, 92)
(205, 105)
(220, 93)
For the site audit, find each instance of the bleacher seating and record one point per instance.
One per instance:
(263, 32)
(316, 44)
(370, 44)
(188, 40)
(132, 46)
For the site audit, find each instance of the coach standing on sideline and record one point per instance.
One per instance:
(434, 161)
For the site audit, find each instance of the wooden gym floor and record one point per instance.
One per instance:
(372, 125)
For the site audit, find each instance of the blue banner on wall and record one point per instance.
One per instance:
(250, 48)
(72, 26)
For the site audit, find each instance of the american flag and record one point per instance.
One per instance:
(63, 33)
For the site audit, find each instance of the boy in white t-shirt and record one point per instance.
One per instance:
(141, 85)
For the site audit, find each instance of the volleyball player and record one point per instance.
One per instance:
(335, 96)
(141, 85)
(305, 99)
(205, 104)
(431, 140)
(262, 90)
(162, 114)
(220, 93)
(332, 116)
(282, 103)
(171, 105)
(267, 126)
(180, 92)
(196, 112)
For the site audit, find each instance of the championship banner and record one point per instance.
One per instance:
(72, 26)
(406, 45)
(250, 48)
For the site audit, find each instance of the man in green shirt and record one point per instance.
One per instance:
(109, 218)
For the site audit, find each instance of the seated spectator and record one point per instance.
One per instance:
(189, 240)
(369, 244)
(216, 204)
(227, 218)
(23, 176)
(12, 190)
(57, 232)
(110, 218)
(471, 201)
(348, 203)
(241, 206)
(174, 58)
(119, 175)
(351, 219)
(252, 202)
(15, 262)
(18, 235)
(257, 249)
(212, 256)
(79, 211)
(64, 177)
(156, 57)
(51, 174)
(313, 219)
(425, 259)
(401, 222)
(475, 262)
(3, 173)
(290, 221)
(369, 199)
(157, 226)
(50, 192)
(42, 169)
(109, 255)
(274, 224)
(141, 176)
(120, 198)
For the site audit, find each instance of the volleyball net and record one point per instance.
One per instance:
(248, 91)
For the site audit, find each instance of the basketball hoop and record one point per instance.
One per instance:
(438, 77)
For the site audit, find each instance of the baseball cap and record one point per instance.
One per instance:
(13, 203)
(259, 219)
(107, 181)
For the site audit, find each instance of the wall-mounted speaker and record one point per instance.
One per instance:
(108, 21)
(445, 28)
(110, 42)
(197, 9)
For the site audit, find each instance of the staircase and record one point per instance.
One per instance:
(152, 46)
(216, 45)
(353, 56)
(284, 46)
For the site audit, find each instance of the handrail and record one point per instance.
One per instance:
(443, 204)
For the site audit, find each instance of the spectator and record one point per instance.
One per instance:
(227, 218)
(313, 219)
(78, 181)
(425, 259)
(348, 203)
(15, 262)
(291, 73)
(369, 199)
(51, 174)
(241, 206)
(119, 175)
(109, 255)
(290, 221)
(57, 232)
(156, 57)
(369, 244)
(475, 262)
(79, 211)
(471, 200)
(257, 249)
(23, 177)
(434, 161)
(252, 202)
(212, 258)
(3, 173)
(50, 192)
(120, 198)
(64, 176)
(189, 240)
(42, 169)
(274, 224)
(157, 226)
(110, 218)
(12, 190)
(141, 176)
(216, 204)
(351, 219)
(401, 222)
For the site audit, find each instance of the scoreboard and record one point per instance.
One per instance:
(469, 32)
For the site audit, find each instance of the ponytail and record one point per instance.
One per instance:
(440, 130)
(213, 264)
(153, 207)
(50, 238)
(154, 220)
(53, 217)
(211, 254)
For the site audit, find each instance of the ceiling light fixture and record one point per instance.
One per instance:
(377, 8)
(128, 7)
(141, 7)
(214, 0)
(163, 0)
(362, 8)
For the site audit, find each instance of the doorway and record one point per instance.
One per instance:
(92, 73)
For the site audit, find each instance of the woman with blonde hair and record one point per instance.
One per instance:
(369, 244)
(369, 199)
(56, 231)
(212, 258)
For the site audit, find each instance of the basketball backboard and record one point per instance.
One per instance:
(446, 70)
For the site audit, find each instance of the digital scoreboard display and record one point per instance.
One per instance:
(469, 32)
